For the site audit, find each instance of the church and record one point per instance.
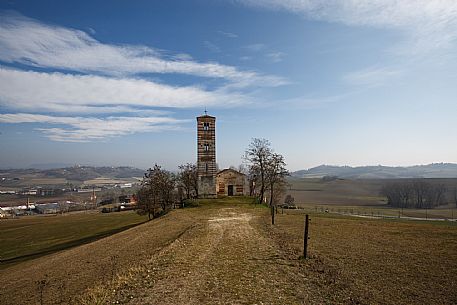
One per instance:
(211, 183)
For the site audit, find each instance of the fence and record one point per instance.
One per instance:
(379, 213)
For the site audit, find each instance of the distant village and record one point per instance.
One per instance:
(54, 200)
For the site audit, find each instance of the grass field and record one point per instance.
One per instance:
(226, 251)
(360, 197)
(336, 192)
(378, 261)
(380, 211)
(32, 236)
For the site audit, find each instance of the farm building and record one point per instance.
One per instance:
(230, 182)
(128, 199)
(47, 208)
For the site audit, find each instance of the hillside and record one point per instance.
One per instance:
(74, 173)
(435, 170)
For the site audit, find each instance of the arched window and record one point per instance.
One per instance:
(205, 126)
(206, 147)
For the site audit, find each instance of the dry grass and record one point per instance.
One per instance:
(226, 252)
(72, 271)
(377, 261)
(379, 211)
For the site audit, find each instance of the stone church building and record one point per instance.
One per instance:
(230, 182)
(227, 182)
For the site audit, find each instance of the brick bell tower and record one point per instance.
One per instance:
(206, 156)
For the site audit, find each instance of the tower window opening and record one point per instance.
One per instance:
(206, 167)
(206, 147)
(205, 126)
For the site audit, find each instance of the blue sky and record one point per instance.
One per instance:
(327, 82)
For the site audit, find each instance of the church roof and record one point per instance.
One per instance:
(230, 169)
(206, 116)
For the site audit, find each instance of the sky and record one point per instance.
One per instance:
(326, 82)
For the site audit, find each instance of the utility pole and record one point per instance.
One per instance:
(94, 198)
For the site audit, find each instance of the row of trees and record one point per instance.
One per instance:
(414, 194)
(266, 171)
(161, 189)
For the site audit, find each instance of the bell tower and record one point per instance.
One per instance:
(206, 156)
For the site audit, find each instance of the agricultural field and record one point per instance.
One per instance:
(361, 197)
(226, 250)
(336, 192)
(33, 236)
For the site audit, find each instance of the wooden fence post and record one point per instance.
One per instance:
(305, 239)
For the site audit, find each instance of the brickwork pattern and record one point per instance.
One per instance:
(206, 156)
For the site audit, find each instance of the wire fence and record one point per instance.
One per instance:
(377, 213)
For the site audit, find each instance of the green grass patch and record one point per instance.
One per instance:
(30, 237)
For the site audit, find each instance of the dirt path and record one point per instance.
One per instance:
(224, 259)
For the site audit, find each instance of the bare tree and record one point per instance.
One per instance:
(157, 192)
(257, 153)
(242, 169)
(188, 179)
(420, 190)
(63, 207)
(147, 197)
(276, 172)
(417, 193)
(280, 189)
(289, 200)
(253, 176)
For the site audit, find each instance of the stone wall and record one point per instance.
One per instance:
(231, 179)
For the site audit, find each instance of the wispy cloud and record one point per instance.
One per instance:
(373, 76)
(106, 81)
(82, 129)
(59, 92)
(30, 42)
(255, 47)
(211, 46)
(275, 56)
(430, 25)
(228, 34)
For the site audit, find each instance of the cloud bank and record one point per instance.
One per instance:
(87, 77)
(30, 42)
(58, 92)
(82, 129)
(429, 25)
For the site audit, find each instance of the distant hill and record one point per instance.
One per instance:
(77, 173)
(435, 170)
(90, 172)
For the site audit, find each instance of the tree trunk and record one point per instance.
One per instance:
(272, 210)
(262, 186)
